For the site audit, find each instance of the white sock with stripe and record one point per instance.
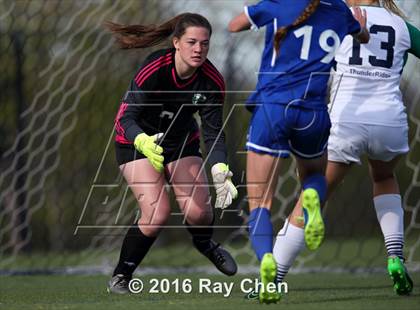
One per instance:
(290, 241)
(391, 218)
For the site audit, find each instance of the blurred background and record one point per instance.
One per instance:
(64, 207)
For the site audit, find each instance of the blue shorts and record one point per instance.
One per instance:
(278, 129)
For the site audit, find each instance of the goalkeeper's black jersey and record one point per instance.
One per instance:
(157, 100)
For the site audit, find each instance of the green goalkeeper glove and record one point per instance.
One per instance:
(147, 146)
(225, 190)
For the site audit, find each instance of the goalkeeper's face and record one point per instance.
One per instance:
(193, 46)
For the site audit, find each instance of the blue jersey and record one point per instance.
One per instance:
(301, 70)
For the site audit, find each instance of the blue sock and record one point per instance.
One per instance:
(319, 183)
(261, 231)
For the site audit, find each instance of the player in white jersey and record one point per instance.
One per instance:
(368, 117)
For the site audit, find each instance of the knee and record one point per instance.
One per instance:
(199, 216)
(152, 223)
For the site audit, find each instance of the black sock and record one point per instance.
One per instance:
(201, 236)
(134, 248)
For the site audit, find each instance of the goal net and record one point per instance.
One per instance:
(63, 203)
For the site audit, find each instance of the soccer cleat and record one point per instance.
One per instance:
(119, 284)
(403, 285)
(268, 270)
(221, 258)
(314, 225)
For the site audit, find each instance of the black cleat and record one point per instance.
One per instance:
(221, 259)
(119, 284)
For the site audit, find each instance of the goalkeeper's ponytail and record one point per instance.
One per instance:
(139, 36)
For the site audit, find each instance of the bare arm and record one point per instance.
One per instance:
(239, 23)
(361, 16)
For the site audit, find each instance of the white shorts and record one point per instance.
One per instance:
(349, 141)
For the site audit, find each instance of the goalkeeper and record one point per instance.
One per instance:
(158, 139)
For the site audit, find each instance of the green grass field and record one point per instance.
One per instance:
(345, 253)
(306, 291)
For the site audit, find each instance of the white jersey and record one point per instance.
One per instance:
(366, 85)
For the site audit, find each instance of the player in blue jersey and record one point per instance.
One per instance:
(290, 115)
(368, 117)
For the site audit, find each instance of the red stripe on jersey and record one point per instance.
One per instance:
(215, 79)
(152, 70)
(194, 136)
(120, 113)
(150, 65)
(140, 77)
(183, 85)
(121, 139)
(215, 72)
(211, 75)
(119, 129)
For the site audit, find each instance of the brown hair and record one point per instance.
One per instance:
(391, 6)
(281, 32)
(139, 36)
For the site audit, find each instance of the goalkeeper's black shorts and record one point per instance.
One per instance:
(126, 152)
